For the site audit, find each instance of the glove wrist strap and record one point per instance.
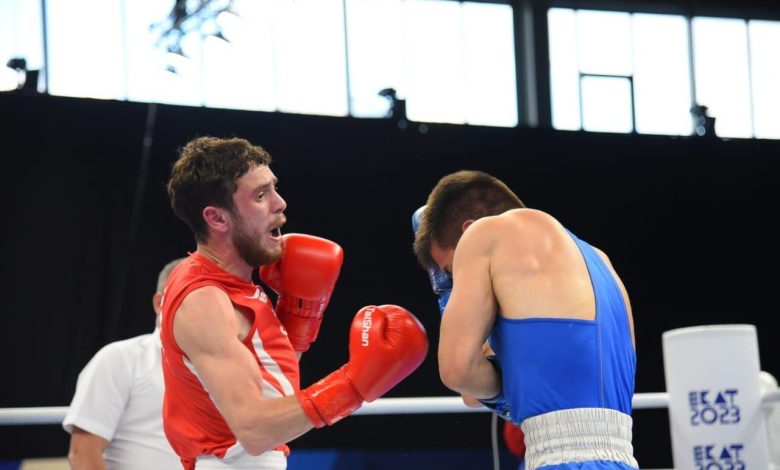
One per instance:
(330, 399)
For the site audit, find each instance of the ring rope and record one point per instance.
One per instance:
(382, 406)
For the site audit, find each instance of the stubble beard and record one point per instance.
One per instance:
(250, 248)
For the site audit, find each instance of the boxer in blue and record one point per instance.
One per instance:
(557, 318)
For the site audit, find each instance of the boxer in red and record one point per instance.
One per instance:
(230, 358)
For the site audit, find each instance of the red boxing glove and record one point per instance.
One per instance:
(386, 344)
(514, 439)
(303, 278)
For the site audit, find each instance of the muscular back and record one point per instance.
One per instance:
(537, 270)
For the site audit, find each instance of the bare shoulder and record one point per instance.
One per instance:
(516, 220)
(524, 226)
(518, 237)
(481, 236)
(204, 301)
(530, 222)
(206, 308)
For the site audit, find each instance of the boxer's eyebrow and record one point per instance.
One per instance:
(266, 186)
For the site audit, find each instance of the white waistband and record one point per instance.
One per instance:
(271, 460)
(578, 435)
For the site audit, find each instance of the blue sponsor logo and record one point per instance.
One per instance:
(718, 457)
(710, 407)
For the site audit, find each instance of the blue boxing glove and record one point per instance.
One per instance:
(441, 283)
(498, 404)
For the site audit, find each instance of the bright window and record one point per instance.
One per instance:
(720, 53)
(635, 69)
(609, 71)
(606, 104)
(86, 51)
(327, 57)
(376, 57)
(150, 79)
(432, 53)
(20, 42)
(310, 60)
(564, 69)
(435, 78)
(765, 73)
(604, 42)
(662, 90)
(490, 82)
(239, 74)
(619, 72)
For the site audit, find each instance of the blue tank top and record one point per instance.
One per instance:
(552, 364)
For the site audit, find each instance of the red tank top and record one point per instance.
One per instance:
(191, 421)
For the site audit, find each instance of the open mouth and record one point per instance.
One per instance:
(276, 230)
(276, 233)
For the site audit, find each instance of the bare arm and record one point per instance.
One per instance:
(468, 318)
(207, 328)
(86, 450)
(469, 400)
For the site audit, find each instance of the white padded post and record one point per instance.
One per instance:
(715, 412)
(768, 383)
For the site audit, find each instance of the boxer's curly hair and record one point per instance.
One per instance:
(206, 174)
(456, 198)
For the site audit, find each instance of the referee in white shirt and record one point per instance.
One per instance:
(115, 418)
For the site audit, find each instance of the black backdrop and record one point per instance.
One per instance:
(688, 222)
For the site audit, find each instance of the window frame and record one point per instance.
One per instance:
(748, 10)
